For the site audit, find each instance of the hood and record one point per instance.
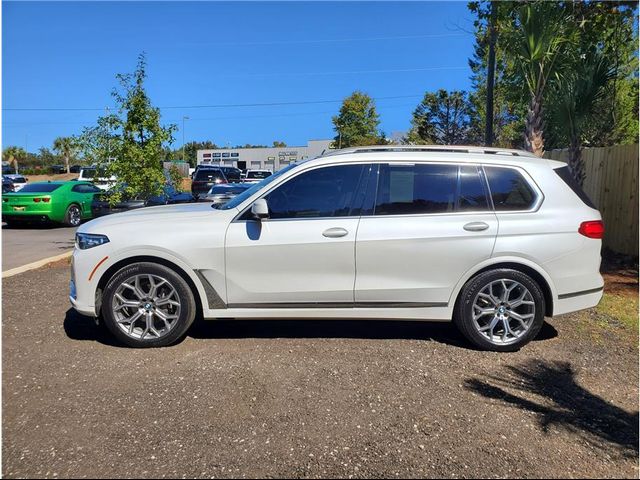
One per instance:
(169, 215)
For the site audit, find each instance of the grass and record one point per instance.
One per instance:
(620, 309)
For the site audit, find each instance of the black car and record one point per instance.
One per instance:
(75, 168)
(170, 196)
(58, 169)
(101, 206)
(204, 179)
(7, 185)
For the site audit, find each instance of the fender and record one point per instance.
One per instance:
(496, 261)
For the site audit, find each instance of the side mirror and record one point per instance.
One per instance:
(260, 209)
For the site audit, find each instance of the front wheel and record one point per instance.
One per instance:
(148, 305)
(73, 216)
(500, 310)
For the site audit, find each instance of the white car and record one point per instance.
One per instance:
(255, 176)
(19, 181)
(99, 179)
(492, 239)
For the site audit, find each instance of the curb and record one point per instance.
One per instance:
(34, 265)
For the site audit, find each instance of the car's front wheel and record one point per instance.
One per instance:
(500, 310)
(148, 305)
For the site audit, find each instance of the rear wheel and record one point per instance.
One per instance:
(500, 310)
(148, 305)
(73, 216)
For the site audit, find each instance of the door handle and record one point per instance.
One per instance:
(335, 232)
(476, 226)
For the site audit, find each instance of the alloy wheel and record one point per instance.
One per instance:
(146, 306)
(503, 311)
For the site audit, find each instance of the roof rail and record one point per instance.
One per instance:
(431, 148)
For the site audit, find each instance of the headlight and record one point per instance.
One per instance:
(90, 240)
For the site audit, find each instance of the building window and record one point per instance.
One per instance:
(235, 154)
(206, 155)
(225, 155)
(217, 155)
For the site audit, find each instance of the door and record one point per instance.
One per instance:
(85, 193)
(428, 225)
(303, 254)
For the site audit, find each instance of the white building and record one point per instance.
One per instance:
(269, 158)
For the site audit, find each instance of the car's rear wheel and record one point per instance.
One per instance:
(148, 305)
(73, 216)
(500, 310)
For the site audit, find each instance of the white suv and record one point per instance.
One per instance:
(491, 239)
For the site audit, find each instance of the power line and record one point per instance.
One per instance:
(223, 105)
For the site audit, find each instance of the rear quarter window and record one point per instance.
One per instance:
(565, 174)
(509, 189)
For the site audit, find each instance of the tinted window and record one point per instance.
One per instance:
(208, 175)
(415, 189)
(565, 174)
(233, 174)
(323, 192)
(85, 189)
(509, 189)
(472, 195)
(40, 187)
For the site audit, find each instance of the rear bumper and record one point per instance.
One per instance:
(26, 217)
(572, 302)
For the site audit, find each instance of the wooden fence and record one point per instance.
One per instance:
(612, 184)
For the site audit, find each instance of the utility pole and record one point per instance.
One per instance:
(491, 70)
(183, 119)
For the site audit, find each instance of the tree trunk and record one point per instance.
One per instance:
(66, 162)
(533, 127)
(576, 165)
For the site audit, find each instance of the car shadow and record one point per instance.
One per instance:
(79, 327)
(563, 403)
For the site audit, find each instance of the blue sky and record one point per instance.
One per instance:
(66, 55)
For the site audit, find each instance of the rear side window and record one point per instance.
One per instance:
(509, 190)
(83, 188)
(430, 188)
(565, 174)
(208, 175)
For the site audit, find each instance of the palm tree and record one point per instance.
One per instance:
(539, 43)
(577, 94)
(65, 147)
(12, 155)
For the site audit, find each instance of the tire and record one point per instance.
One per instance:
(482, 297)
(73, 216)
(148, 329)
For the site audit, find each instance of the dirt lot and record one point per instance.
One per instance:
(314, 399)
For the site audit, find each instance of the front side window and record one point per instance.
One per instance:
(322, 192)
(509, 190)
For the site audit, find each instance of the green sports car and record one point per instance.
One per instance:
(65, 202)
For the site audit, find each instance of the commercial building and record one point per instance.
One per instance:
(269, 158)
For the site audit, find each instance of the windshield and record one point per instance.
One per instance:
(40, 187)
(256, 188)
(258, 174)
(88, 173)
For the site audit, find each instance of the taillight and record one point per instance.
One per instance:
(37, 200)
(46, 199)
(592, 229)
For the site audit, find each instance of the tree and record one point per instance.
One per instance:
(357, 122)
(578, 93)
(132, 138)
(66, 147)
(279, 144)
(14, 156)
(443, 118)
(537, 47)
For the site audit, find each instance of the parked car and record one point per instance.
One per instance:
(19, 181)
(221, 194)
(75, 168)
(7, 185)
(373, 232)
(8, 169)
(58, 169)
(233, 174)
(255, 176)
(98, 177)
(204, 179)
(101, 204)
(63, 202)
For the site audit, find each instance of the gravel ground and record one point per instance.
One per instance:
(308, 399)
